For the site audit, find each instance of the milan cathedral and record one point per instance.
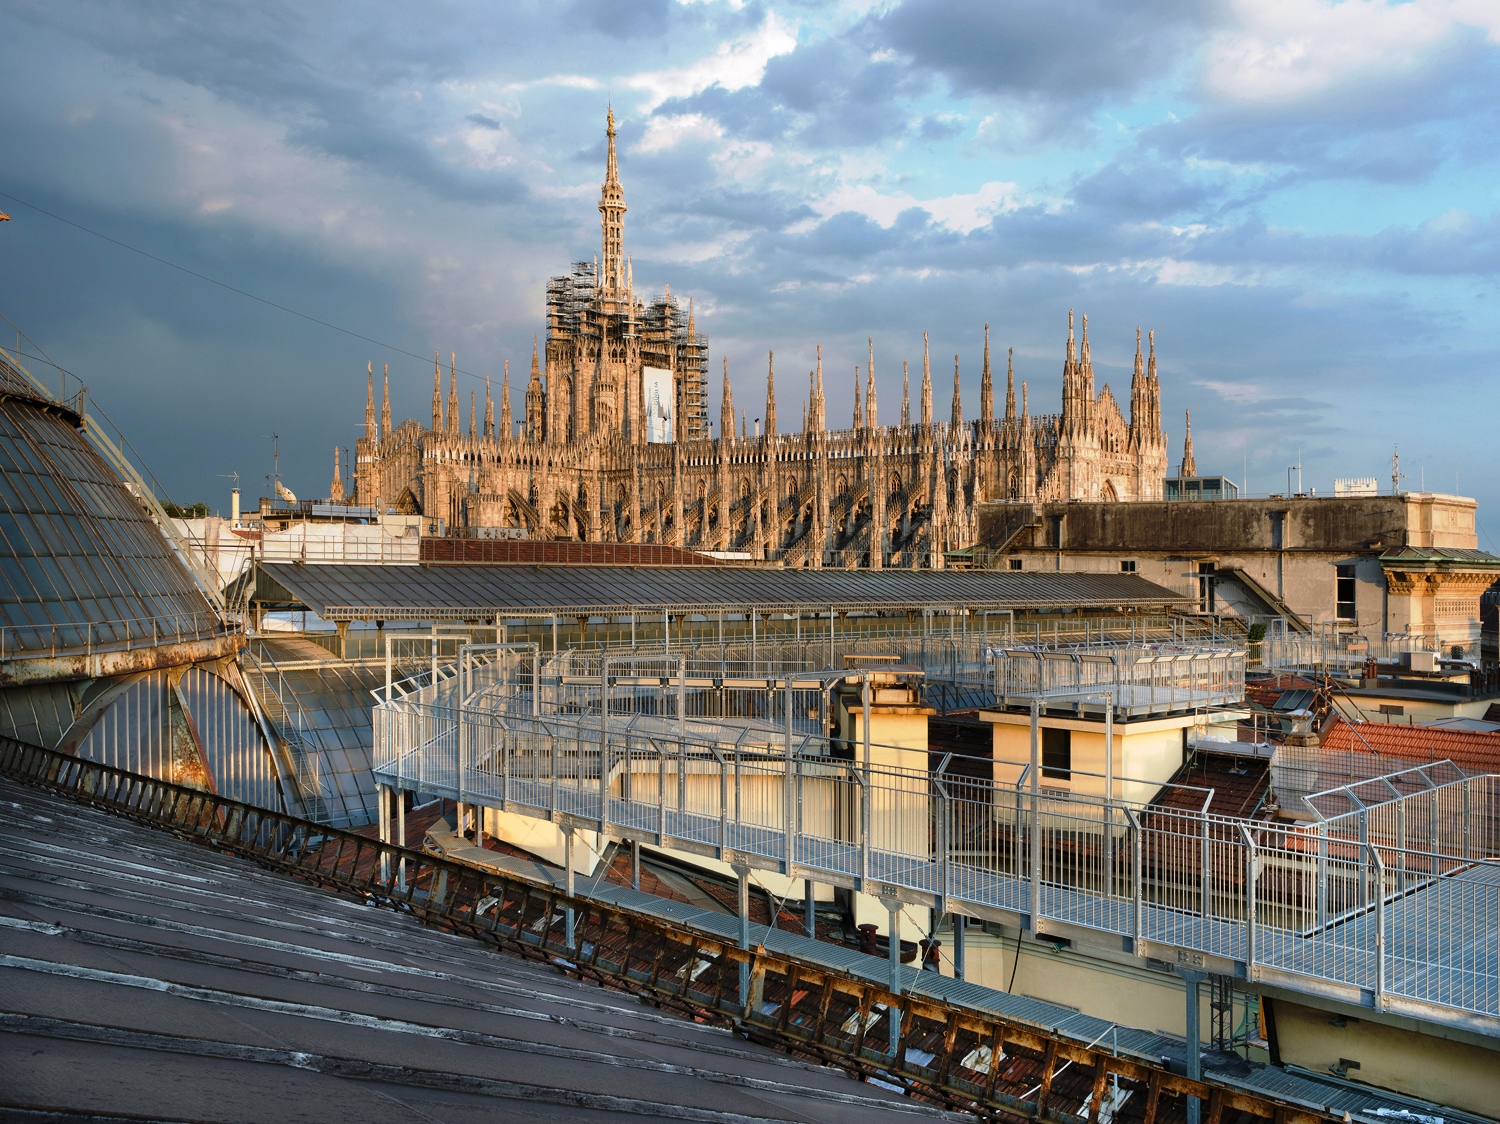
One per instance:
(616, 442)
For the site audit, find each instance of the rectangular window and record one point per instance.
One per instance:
(1344, 593)
(1057, 754)
(1015, 563)
(1391, 711)
(1127, 565)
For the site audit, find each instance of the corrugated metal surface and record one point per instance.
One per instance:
(236, 752)
(339, 592)
(136, 732)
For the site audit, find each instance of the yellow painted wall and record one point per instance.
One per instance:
(1442, 1070)
(1124, 993)
(1147, 752)
(544, 839)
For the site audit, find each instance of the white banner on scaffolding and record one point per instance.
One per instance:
(659, 394)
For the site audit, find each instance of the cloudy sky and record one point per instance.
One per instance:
(1299, 197)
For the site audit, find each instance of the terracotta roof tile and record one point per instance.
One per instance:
(1470, 750)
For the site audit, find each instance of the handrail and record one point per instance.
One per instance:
(682, 968)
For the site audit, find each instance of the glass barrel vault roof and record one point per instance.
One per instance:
(82, 567)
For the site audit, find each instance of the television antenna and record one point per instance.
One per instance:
(1396, 474)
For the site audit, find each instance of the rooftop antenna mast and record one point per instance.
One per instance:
(1396, 474)
(275, 439)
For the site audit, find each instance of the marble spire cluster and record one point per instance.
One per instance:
(615, 441)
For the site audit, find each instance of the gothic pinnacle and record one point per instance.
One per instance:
(770, 394)
(1010, 385)
(905, 395)
(453, 392)
(726, 406)
(437, 393)
(986, 385)
(505, 413)
(872, 416)
(369, 402)
(385, 406)
(958, 408)
(926, 384)
(859, 412)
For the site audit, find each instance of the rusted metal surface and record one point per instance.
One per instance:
(47, 667)
(948, 1055)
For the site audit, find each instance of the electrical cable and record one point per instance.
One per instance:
(225, 285)
(1015, 961)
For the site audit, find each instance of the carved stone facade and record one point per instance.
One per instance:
(579, 465)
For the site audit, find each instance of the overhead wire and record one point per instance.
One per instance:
(225, 285)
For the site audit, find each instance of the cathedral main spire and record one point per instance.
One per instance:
(611, 275)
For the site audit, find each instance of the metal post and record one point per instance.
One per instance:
(569, 885)
(1206, 862)
(1380, 912)
(1109, 796)
(864, 793)
(401, 835)
(635, 864)
(1036, 815)
(809, 908)
(742, 872)
(960, 923)
(893, 946)
(1191, 980)
(604, 745)
(1252, 870)
(753, 615)
(788, 791)
(383, 810)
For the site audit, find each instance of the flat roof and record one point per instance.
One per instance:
(371, 592)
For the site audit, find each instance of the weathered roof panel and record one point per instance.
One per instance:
(366, 592)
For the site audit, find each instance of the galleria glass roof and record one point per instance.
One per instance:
(82, 566)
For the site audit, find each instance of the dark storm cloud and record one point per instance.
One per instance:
(1072, 51)
(625, 19)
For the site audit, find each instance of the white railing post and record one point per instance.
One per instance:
(788, 835)
(1036, 815)
(1380, 968)
(864, 800)
(1252, 871)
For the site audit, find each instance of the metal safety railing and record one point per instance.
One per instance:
(1263, 901)
(942, 1052)
(75, 638)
